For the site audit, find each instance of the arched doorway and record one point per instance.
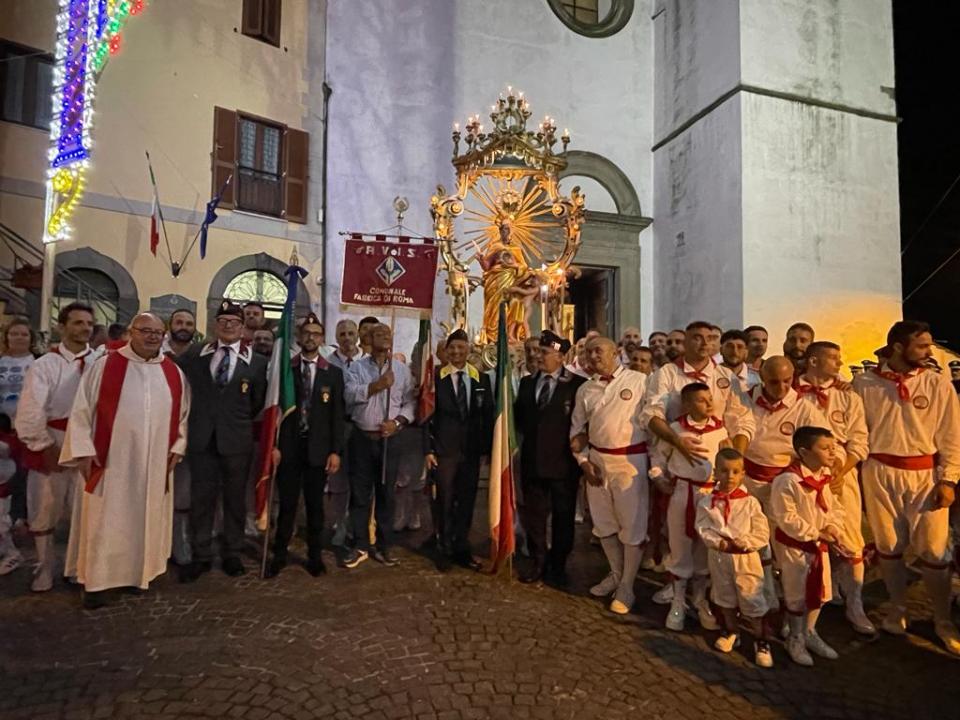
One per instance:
(93, 287)
(261, 286)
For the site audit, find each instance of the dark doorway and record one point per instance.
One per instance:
(593, 296)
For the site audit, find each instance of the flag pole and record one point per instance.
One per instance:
(266, 529)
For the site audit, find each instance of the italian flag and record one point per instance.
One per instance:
(281, 396)
(502, 456)
(155, 226)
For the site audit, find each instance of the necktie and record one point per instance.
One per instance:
(546, 390)
(306, 394)
(222, 375)
(461, 396)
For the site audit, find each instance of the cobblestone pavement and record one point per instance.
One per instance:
(408, 642)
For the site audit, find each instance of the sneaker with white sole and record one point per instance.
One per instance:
(10, 562)
(705, 616)
(818, 646)
(42, 580)
(606, 587)
(727, 642)
(677, 614)
(664, 596)
(797, 650)
(895, 621)
(947, 632)
(762, 654)
(622, 603)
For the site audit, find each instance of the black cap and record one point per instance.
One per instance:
(953, 364)
(550, 339)
(312, 319)
(229, 308)
(458, 334)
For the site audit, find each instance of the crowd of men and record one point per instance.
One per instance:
(755, 480)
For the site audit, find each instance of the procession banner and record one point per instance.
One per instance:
(378, 273)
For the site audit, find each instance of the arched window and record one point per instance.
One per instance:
(259, 285)
(93, 287)
(593, 18)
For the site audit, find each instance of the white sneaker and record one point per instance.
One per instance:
(895, 621)
(622, 603)
(677, 614)
(817, 646)
(705, 616)
(42, 580)
(859, 621)
(762, 654)
(10, 562)
(947, 632)
(664, 596)
(797, 650)
(726, 643)
(606, 587)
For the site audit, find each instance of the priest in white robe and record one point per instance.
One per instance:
(127, 431)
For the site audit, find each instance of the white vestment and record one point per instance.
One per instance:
(123, 538)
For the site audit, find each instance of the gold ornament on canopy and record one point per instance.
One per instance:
(516, 225)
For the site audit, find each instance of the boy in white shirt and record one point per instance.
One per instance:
(733, 527)
(684, 481)
(809, 521)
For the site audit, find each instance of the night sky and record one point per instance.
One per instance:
(929, 145)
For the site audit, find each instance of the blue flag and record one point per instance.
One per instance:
(211, 217)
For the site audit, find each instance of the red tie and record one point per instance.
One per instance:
(697, 375)
(714, 423)
(605, 378)
(722, 498)
(903, 392)
(822, 398)
(811, 483)
(766, 405)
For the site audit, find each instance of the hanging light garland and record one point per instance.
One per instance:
(88, 33)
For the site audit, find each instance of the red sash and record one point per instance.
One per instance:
(814, 590)
(114, 372)
(635, 449)
(906, 462)
(761, 473)
(690, 514)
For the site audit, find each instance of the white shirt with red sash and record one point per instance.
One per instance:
(607, 408)
(128, 416)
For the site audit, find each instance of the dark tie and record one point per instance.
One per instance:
(544, 397)
(306, 394)
(222, 376)
(461, 396)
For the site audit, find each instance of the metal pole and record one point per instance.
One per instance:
(46, 288)
(266, 529)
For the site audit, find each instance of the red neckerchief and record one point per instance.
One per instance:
(823, 400)
(903, 392)
(811, 483)
(722, 498)
(714, 423)
(766, 405)
(80, 358)
(607, 378)
(697, 375)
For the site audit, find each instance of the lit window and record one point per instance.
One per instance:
(259, 285)
(260, 184)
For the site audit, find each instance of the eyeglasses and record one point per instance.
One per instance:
(149, 333)
(227, 322)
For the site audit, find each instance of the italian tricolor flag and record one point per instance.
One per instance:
(502, 456)
(281, 396)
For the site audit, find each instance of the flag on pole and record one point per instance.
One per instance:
(426, 396)
(502, 455)
(281, 397)
(211, 217)
(156, 216)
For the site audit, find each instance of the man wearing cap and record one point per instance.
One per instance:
(910, 476)
(459, 434)
(548, 470)
(381, 400)
(228, 382)
(310, 443)
(954, 366)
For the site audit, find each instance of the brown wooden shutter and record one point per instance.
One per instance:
(271, 21)
(296, 143)
(252, 20)
(224, 155)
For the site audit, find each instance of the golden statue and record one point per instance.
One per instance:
(506, 277)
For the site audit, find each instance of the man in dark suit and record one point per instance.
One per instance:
(311, 442)
(228, 385)
(459, 434)
(548, 471)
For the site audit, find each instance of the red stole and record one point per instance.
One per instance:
(108, 399)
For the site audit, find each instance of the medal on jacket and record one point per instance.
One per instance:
(244, 386)
(325, 394)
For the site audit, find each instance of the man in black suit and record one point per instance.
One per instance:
(459, 434)
(311, 442)
(548, 471)
(228, 385)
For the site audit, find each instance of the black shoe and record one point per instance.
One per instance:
(315, 567)
(383, 557)
(531, 575)
(233, 567)
(466, 560)
(274, 568)
(557, 579)
(190, 573)
(443, 563)
(95, 600)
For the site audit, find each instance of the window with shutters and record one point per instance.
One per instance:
(26, 84)
(267, 162)
(261, 20)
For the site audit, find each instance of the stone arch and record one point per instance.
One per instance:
(128, 299)
(260, 261)
(611, 177)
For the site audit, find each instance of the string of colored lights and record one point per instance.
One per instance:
(88, 33)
